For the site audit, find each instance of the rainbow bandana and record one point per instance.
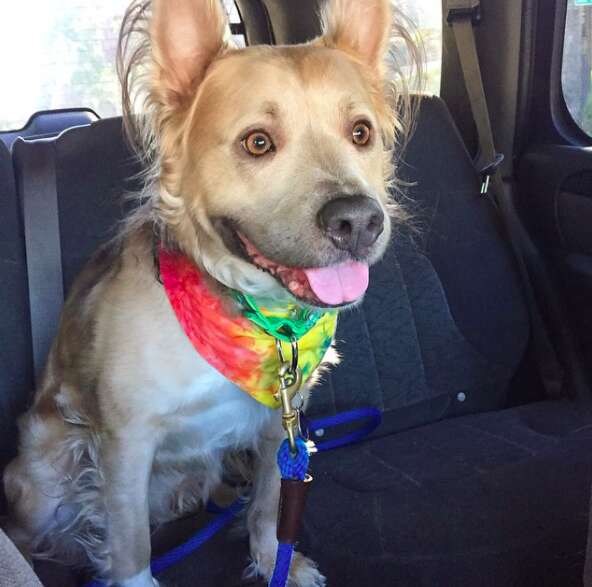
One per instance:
(239, 346)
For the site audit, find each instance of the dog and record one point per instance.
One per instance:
(268, 171)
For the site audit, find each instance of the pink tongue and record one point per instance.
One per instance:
(339, 284)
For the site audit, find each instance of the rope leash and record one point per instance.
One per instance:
(172, 557)
(371, 416)
(293, 469)
(224, 516)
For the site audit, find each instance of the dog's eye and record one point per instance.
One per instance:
(361, 134)
(257, 143)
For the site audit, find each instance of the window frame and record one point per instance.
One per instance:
(237, 29)
(565, 124)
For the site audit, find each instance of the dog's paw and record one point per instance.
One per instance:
(142, 579)
(303, 571)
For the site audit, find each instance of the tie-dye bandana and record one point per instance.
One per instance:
(232, 344)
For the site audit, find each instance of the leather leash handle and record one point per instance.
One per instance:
(291, 509)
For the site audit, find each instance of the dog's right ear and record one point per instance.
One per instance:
(361, 27)
(186, 36)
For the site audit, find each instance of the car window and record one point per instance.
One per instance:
(61, 54)
(235, 19)
(577, 63)
(426, 15)
(67, 57)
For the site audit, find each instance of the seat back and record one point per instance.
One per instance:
(443, 327)
(93, 167)
(16, 369)
(49, 123)
(94, 170)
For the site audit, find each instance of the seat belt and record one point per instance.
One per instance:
(462, 16)
(36, 174)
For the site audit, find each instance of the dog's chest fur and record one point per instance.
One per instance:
(174, 393)
(213, 415)
(203, 416)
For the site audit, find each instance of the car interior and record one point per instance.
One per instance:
(480, 471)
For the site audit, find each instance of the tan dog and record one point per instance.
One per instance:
(274, 158)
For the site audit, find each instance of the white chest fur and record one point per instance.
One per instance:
(207, 414)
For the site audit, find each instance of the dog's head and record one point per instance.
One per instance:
(273, 163)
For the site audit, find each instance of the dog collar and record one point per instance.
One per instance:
(242, 346)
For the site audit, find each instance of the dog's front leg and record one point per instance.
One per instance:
(127, 457)
(263, 513)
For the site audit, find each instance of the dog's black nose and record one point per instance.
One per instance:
(353, 223)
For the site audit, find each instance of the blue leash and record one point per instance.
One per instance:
(167, 560)
(373, 415)
(295, 467)
(290, 468)
(171, 558)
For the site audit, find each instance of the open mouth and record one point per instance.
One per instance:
(332, 286)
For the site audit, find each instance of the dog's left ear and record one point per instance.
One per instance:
(359, 26)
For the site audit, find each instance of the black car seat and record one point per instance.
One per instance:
(456, 487)
(48, 123)
(16, 373)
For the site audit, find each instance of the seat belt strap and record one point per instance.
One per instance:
(464, 8)
(36, 174)
(463, 15)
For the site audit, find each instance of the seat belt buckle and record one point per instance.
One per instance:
(463, 10)
(489, 171)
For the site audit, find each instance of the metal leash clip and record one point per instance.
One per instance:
(290, 382)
